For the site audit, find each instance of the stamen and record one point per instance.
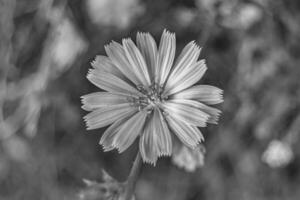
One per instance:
(141, 88)
(151, 97)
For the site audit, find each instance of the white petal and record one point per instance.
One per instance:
(105, 64)
(107, 115)
(166, 54)
(204, 93)
(212, 112)
(129, 131)
(117, 54)
(148, 48)
(111, 83)
(109, 134)
(184, 63)
(136, 61)
(166, 140)
(156, 140)
(188, 135)
(148, 144)
(187, 78)
(101, 99)
(187, 114)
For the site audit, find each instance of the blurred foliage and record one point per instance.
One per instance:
(252, 51)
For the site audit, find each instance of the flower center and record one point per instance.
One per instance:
(152, 97)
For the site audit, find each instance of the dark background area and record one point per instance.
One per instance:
(252, 49)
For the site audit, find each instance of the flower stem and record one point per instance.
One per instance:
(132, 178)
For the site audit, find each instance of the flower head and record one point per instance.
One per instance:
(150, 96)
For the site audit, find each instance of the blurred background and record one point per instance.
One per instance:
(252, 49)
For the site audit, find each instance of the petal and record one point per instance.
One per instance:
(213, 113)
(109, 134)
(105, 64)
(184, 64)
(187, 114)
(187, 78)
(156, 140)
(136, 61)
(111, 83)
(165, 139)
(101, 99)
(166, 54)
(129, 131)
(148, 48)
(188, 135)
(117, 54)
(204, 93)
(106, 115)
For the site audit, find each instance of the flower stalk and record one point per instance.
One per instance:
(133, 176)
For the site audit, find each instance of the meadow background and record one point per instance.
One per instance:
(252, 49)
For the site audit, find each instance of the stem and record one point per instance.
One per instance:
(132, 178)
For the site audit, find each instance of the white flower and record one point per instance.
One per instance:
(278, 154)
(148, 96)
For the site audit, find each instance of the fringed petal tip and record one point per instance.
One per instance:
(82, 99)
(154, 160)
(143, 34)
(85, 119)
(88, 125)
(96, 61)
(198, 142)
(119, 149)
(90, 73)
(107, 148)
(168, 33)
(202, 139)
(84, 103)
(151, 162)
(112, 42)
(106, 47)
(196, 46)
(214, 119)
(221, 96)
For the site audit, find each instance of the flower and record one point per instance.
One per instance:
(278, 154)
(148, 96)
